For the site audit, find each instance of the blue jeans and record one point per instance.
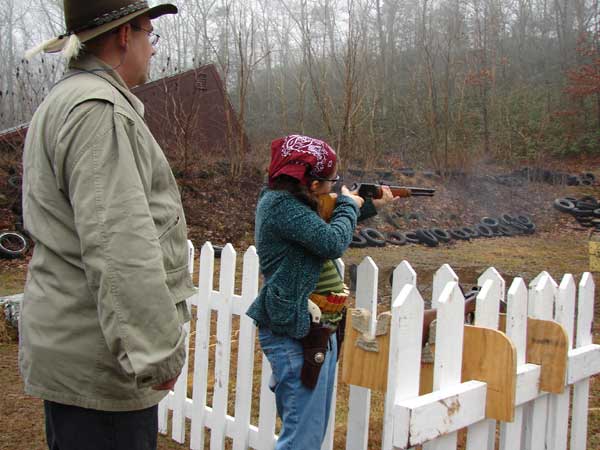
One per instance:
(304, 412)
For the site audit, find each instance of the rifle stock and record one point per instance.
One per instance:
(326, 206)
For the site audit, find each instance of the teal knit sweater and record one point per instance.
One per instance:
(292, 243)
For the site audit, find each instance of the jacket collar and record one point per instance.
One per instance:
(91, 64)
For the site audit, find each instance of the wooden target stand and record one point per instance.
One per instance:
(488, 356)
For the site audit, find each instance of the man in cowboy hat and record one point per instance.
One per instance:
(102, 338)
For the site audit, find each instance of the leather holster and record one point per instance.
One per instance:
(315, 345)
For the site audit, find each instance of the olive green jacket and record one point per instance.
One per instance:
(104, 305)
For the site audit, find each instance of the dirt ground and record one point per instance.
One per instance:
(22, 421)
(559, 246)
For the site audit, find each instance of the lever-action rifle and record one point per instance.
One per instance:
(373, 191)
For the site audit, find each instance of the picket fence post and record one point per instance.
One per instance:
(405, 345)
(482, 435)
(359, 402)
(447, 364)
(516, 330)
(581, 390)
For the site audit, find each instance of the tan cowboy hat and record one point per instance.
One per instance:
(86, 20)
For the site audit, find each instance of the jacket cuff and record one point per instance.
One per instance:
(166, 370)
(367, 210)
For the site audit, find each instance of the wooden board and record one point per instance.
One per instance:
(547, 346)
(364, 368)
(594, 250)
(498, 372)
(426, 378)
(489, 356)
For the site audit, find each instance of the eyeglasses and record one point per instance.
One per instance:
(332, 180)
(152, 36)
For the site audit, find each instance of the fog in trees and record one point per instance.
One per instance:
(439, 83)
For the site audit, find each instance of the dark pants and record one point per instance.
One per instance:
(74, 428)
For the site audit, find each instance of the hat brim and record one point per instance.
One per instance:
(57, 45)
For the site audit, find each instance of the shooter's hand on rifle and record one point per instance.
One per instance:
(354, 196)
(387, 197)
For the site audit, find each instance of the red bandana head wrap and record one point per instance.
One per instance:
(301, 157)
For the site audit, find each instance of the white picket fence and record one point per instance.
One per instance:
(432, 420)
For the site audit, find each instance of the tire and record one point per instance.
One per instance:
(471, 232)
(395, 238)
(459, 234)
(586, 182)
(427, 238)
(582, 212)
(484, 230)
(588, 176)
(374, 238)
(505, 230)
(531, 228)
(586, 205)
(490, 222)
(12, 245)
(524, 219)
(441, 235)
(564, 205)
(407, 172)
(15, 182)
(358, 241)
(411, 237)
(588, 199)
(518, 228)
(507, 219)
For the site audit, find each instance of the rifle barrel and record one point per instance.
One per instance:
(416, 191)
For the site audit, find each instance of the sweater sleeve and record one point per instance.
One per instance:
(298, 223)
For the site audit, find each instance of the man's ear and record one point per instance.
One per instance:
(123, 35)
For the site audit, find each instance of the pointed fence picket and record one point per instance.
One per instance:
(516, 330)
(359, 402)
(541, 420)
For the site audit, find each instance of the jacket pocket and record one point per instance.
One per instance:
(280, 309)
(170, 226)
(173, 242)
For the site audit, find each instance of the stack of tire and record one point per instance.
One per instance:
(585, 210)
(548, 176)
(505, 225)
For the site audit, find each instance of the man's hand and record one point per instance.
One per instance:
(354, 196)
(387, 197)
(167, 385)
